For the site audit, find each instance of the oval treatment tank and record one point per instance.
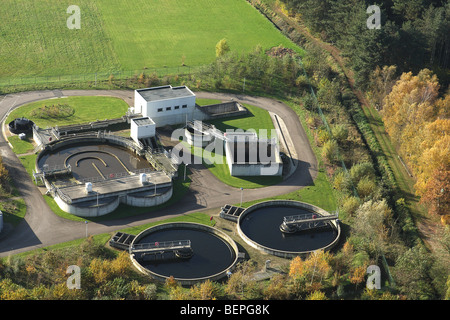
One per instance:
(259, 226)
(211, 254)
(90, 159)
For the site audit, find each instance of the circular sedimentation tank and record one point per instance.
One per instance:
(212, 253)
(197, 137)
(260, 226)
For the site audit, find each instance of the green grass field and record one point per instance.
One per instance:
(87, 109)
(125, 35)
(256, 120)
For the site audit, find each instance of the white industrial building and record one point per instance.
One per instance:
(246, 154)
(142, 128)
(165, 105)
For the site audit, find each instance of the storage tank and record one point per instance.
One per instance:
(143, 177)
(88, 187)
(20, 125)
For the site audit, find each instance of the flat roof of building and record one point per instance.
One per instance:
(143, 121)
(165, 93)
(110, 187)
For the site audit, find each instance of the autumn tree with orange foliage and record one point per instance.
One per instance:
(417, 120)
(437, 194)
(308, 275)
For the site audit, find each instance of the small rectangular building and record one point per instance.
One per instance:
(142, 128)
(248, 155)
(165, 105)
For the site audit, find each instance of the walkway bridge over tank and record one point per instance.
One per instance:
(307, 221)
(156, 251)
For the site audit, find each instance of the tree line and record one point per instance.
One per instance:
(417, 119)
(108, 275)
(414, 34)
(403, 70)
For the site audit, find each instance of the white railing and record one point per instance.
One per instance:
(160, 246)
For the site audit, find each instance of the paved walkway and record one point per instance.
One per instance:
(41, 227)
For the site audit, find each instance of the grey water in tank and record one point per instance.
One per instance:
(211, 254)
(263, 227)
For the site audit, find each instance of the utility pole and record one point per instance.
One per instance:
(242, 191)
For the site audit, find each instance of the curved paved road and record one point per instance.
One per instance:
(41, 227)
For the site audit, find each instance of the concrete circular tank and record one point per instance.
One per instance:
(89, 176)
(190, 252)
(262, 227)
(20, 125)
(89, 158)
(196, 137)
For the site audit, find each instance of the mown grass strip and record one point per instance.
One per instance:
(87, 109)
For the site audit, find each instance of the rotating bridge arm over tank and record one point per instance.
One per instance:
(181, 248)
(307, 221)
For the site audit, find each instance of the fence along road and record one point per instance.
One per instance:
(41, 227)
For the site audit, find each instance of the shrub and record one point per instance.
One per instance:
(317, 295)
(341, 182)
(302, 81)
(53, 111)
(339, 133)
(360, 170)
(366, 187)
(411, 273)
(277, 289)
(118, 288)
(150, 292)
(323, 136)
(350, 204)
(330, 150)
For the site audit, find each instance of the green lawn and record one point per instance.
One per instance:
(205, 102)
(256, 119)
(160, 32)
(319, 194)
(125, 35)
(13, 210)
(29, 163)
(21, 146)
(87, 109)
